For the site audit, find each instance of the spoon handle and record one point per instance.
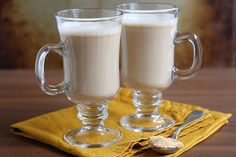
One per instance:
(195, 115)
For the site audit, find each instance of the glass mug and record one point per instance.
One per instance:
(149, 36)
(90, 41)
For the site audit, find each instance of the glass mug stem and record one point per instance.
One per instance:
(93, 130)
(146, 103)
(197, 55)
(146, 118)
(92, 116)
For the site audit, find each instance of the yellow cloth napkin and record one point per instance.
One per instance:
(49, 128)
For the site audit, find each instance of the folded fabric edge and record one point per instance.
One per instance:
(21, 131)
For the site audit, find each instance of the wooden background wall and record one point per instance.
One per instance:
(26, 25)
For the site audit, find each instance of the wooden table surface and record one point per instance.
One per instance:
(21, 99)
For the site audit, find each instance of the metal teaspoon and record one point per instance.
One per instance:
(156, 142)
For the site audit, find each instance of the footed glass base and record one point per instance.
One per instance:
(146, 123)
(147, 118)
(92, 136)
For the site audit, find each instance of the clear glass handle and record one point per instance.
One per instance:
(59, 48)
(197, 55)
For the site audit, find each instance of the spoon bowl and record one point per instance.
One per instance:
(171, 145)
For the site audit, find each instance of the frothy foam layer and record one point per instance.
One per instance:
(89, 28)
(149, 19)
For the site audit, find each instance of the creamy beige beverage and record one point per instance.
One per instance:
(148, 51)
(91, 65)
